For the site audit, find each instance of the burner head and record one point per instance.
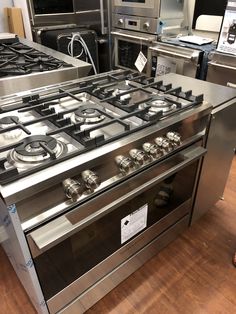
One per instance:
(122, 88)
(160, 103)
(7, 122)
(37, 148)
(89, 113)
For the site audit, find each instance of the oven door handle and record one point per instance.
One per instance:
(224, 66)
(130, 36)
(59, 229)
(192, 57)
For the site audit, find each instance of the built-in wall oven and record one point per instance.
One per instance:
(91, 13)
(136, 25)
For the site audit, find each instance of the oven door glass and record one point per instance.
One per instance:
(52, 6)
(128, 53)
(80, 253)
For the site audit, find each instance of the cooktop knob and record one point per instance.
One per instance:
(73, 189)
(125, 164)
(146, 26)
(164, 144)
(152, 150)
(91, 179)
(139, 156)
(174, 137)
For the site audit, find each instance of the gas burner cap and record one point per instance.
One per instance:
(122, 87)
(7, 122)
(34, 149)
(89, 113)
(160, 103)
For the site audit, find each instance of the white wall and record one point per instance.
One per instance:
(25, 14)
(3, 22)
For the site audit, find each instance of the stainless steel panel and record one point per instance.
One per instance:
(150, 8)
(142, 24)
(221, 143)
(107, 283)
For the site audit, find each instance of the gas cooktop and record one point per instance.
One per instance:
(48, 127)
(17, 58)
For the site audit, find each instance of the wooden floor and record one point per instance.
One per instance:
(194, 274)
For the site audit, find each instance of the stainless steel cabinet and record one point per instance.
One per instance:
(222, 69)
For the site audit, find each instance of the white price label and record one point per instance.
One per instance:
(140, 62)
(133, 223)
(165, 66)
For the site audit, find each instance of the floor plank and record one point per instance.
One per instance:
(194, 274)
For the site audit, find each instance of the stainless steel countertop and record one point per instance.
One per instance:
(14, 84)
(215, 94)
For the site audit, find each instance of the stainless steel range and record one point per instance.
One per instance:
(26, 65)
(97, 176)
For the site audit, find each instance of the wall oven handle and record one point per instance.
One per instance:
(147, 39)
(103, 28)
(229, 84)
(54, 232)
(174, 54)
(224, 66)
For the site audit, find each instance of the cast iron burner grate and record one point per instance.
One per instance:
(117, 112)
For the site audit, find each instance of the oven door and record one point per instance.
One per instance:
(127, 46)
(163, 59)
(78, 249)
(51, 12)
(149, 8)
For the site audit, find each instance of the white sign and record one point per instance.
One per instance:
(227, 39)
(140, 62)
(133, 223)
(165, 66)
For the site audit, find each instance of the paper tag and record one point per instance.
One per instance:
(133, 223)
(165, 66)
(140, 62)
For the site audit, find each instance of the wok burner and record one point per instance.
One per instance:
(36, 149)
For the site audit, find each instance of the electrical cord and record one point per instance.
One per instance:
(78, 38)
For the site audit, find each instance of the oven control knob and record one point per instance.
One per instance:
(152, 150)
(146, 26)
(164, 144)
(91, 179)
(174, 137)
(120, 22)
(125, 164)
(73, 189)
(139, 156)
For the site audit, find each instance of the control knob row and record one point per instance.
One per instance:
(74, 188)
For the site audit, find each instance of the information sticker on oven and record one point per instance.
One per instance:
(140, 62)
(133, 223)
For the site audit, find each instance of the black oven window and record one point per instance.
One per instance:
(137, 1)
(53, 6)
